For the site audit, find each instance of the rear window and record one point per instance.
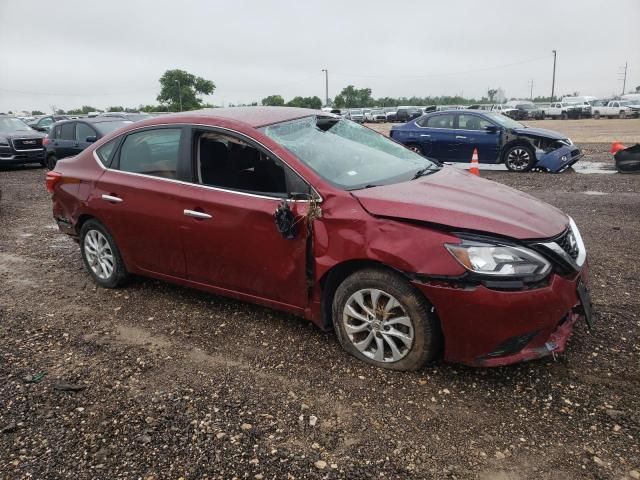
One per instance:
(68, 131)
(152, 152)
(105, 152)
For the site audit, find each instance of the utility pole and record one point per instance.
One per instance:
(624, 78)
(531, 94)
(179, 92)
(553, 82)
(326, 87)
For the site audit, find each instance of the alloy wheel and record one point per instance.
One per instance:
(518, 159)
(99, 254)
(378, 326)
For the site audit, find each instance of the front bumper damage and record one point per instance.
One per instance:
(484, 327)
(558, 160)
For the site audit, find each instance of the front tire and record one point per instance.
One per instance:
(101, 255)
(380, 319)
(519, 158)
(622, 115)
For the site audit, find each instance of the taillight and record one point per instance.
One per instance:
(46, 141)
(52, 180)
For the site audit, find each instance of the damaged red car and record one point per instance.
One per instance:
(309, 213)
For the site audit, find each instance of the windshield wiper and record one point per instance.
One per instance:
(424, 171)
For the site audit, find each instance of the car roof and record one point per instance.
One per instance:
(252, 116)
(92, 120)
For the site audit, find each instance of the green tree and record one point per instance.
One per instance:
(306, 102)
(638, 89)
(492, 92)
(273, 101)
(115, 109)
(180, 90)
(351, 97)
(37, 112)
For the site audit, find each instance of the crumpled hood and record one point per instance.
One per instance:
(539, 132)
(457, 199)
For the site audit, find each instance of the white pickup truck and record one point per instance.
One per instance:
(563, 110)
(617, 108)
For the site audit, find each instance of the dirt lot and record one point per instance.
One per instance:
(175, 383)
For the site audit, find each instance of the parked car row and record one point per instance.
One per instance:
(22, 143)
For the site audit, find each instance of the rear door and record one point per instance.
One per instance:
(140, 200)
(82, 132)
(438, 134)
(471, 133)
(63, 144)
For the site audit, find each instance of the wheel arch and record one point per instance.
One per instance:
(331, 280)
(512, 143)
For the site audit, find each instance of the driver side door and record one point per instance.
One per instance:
(230, 238)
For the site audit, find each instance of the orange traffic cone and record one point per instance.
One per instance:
(616, 146)
(474, 170)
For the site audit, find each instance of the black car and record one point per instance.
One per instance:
(19, 143)
(70, 137)
(528, 111)
(43, 124)
(406, 114)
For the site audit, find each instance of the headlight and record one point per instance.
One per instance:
(499, 260)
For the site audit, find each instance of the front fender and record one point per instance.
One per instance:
(557, 160)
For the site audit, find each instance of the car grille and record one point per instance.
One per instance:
(22, 144)
(565, 243)
(575, 153)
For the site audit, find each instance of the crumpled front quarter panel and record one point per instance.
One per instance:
(347, 232)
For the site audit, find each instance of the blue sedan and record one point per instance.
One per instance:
(451, 136)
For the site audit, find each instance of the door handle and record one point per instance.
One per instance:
(112, 198)
(196, 214)
(424, 135)
(460, 136)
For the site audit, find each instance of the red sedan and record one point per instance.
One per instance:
(316, 215)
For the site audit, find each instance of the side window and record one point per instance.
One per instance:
(228, 162)
(422, 121)
(472, 122)
(152, 152)
(440, 121)
(106, 151)
(83, 131)
(56, 132)
(67, 131)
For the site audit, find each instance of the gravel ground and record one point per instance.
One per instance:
(157, 381)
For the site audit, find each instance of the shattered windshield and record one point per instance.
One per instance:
(346, 154)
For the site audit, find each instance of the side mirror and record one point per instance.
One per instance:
(491, 128)
(91, 139)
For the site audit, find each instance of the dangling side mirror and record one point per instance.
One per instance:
(285, 221)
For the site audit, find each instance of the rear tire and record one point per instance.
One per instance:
(51, 162)
(519, 158)
(380, 319)
(101, 255)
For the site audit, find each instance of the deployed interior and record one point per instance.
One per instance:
(227, 162)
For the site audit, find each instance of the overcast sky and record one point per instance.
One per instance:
(70, 53)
